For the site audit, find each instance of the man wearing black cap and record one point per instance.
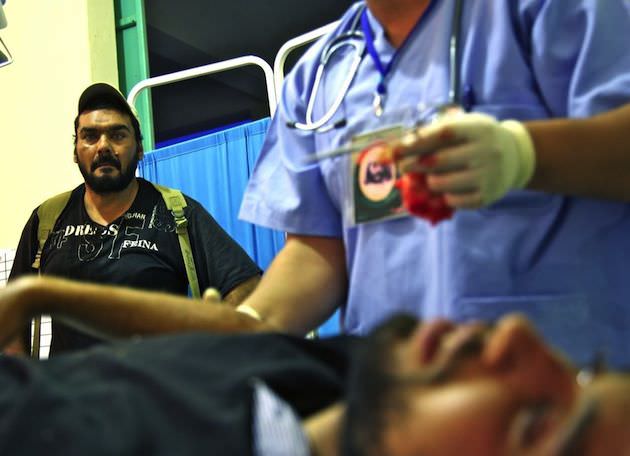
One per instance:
(116, 228)
(108, 169)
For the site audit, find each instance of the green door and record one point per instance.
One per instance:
(133, 60)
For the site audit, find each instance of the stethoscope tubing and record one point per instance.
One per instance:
(355, 38)
(354, 67)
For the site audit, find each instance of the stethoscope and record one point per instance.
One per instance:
(355, 38)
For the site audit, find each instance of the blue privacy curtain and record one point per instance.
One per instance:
(214, 169)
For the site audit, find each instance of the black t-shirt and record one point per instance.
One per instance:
(170, 395)
(140, 249)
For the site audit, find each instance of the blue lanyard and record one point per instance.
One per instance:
(381, 88)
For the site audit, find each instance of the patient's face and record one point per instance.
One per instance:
(473, 391)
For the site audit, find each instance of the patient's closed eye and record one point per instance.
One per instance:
(532, 423)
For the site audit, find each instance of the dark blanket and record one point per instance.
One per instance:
(173, 395)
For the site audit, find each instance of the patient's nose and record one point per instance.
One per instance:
(517, 354)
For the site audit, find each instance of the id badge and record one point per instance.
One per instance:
(374, 196)
(370, 193)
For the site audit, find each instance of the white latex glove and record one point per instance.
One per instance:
(472, 159)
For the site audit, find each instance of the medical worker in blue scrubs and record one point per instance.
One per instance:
(537, 169)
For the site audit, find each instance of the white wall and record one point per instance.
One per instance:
(59, 47)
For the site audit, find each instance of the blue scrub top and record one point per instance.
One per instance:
(562, 261)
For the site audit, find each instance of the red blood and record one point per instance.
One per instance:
(420, 201)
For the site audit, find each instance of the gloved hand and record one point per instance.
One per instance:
(472, 159)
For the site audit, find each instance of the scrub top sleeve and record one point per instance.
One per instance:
(580, 55)
(283, 193)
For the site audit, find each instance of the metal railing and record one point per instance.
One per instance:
(273, 77)
(204, 70)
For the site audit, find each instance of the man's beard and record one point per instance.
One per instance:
(109, 183)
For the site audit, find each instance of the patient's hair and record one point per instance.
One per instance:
(371, 394)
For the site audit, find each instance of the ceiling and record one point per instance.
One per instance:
(191, 33)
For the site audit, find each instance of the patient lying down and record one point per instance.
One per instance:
(443, 389)
(427, 389)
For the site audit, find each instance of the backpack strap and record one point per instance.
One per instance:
(176, 203)
(48, 213)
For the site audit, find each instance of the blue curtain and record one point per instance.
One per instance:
(214, 169)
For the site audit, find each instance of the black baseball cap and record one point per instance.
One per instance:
(102, 91)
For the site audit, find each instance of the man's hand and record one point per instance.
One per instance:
(472, 159)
